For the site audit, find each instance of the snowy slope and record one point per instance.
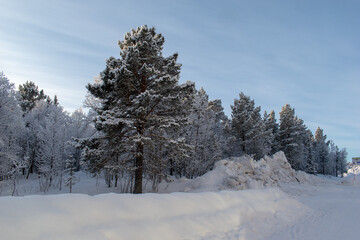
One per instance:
(249, 214)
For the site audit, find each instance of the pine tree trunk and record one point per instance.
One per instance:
(139, 160)
(139, 169)
(31, 165)
(243, 143)
(336, 166)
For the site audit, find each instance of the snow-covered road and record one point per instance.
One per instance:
(335, 213)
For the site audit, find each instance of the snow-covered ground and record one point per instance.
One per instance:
(334, 214)
(246, 214)
(277, 203)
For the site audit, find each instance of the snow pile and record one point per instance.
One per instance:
(250, 214)
(355, 169)
(352, 177)
(240, 173)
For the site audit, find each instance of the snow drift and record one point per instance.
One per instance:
(250, 214)
(239, 173)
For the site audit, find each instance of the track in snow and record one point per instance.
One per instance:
(335, 214)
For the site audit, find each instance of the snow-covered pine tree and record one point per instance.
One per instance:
(139, 93)
(337, 162)
(304, 140)
(342, 161)
(269, 136)
(71, 178)
(321, 151)
(310, 155)
(271, 131)
(331, 166)
(339, 158)
(292, 136)
(222, 127)
(248, 127)
(29, 95)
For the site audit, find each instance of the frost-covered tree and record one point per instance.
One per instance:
(71, 178)
(222, 128)
(140, 100)
(47, 125)
(248, 127)
(12, 158)
(342, 161)
(80, 126)
(310, 166)
(331, 167)
(201, 133)
(304, 141)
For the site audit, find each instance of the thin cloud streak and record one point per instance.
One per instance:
(302, 53)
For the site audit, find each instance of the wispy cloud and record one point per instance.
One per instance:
(302, 53)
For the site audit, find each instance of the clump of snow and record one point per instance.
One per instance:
(246, 214)
(244, 172)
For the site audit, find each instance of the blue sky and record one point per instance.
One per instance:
(304, 53)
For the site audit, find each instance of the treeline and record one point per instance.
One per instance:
(143, 124)
(36, 135)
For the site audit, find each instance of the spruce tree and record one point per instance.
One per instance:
(140, 101)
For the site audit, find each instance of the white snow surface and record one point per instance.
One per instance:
(275, 202)
(208, 215)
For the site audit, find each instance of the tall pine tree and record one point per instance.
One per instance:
(321, 152)
(290, 136)
(248, 127)
(141, 99)
(29, 95)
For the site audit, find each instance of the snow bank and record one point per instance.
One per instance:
(240, 173)
(250, 214)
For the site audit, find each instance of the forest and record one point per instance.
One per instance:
(141, 123)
